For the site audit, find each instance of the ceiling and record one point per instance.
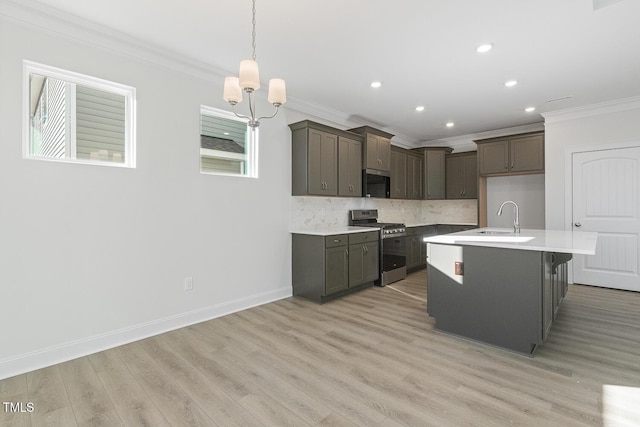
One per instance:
(564, 54)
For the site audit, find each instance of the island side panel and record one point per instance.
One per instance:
(498, 300)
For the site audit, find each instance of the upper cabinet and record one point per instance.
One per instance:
(511, 155)
(406, 174)
(376, 153)
(349, 167)
(414, 175)
(398, 173)
(325, 161)
(462, 176)
(433, 171)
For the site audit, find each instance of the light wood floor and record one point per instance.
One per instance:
(369, 359)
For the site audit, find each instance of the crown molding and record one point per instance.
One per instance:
(340, 119)
(608, 107)
(467, 142)
(44, 18)
(47, 19)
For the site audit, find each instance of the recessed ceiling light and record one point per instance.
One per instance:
(530, 109)
(484, 48)
(225, 133)
(511, 83)
(376, 84)
(450, 124)
(420, 108)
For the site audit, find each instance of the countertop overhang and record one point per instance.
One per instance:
(573, 242)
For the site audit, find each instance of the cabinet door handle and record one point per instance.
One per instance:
(336, 240)
(577, 224)
(346, 252)
(512, 163)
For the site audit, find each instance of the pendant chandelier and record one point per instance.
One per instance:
(249, 80)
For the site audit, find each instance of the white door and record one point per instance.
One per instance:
(606, 199)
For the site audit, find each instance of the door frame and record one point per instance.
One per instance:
(568, 177)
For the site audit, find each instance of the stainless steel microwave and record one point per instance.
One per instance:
(376, 183)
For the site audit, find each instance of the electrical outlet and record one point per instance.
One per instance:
(188, 284)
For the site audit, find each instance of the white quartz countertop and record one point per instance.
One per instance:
(333, 230)
(574, 242)
(423, 224)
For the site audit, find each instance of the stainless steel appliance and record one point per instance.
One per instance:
(393, 254)
(376, 183)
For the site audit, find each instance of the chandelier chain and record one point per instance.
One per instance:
(253, 34)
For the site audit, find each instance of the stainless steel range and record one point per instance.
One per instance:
(393, 261)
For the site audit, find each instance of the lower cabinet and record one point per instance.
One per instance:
(325, 267)
(363, 263)
(416, 247)
(336, 269)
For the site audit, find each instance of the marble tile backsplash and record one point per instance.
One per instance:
(309, 212)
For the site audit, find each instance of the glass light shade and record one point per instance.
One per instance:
(232, 90)
(277, 91)
(249, 76)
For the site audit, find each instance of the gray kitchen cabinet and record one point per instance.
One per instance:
(559, 279)
(416, 248)
(323, 155)
(527, 153)
(406, 174)
(511, 155)
(315, 161)
(349, 167)
(326, 267)
(493, 157)
(462, 176)
(414, 176)
(398, 174)
(433, 159)
(336, 269)
(363, 258)
(376, 153)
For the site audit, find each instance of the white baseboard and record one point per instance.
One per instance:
(42, 358)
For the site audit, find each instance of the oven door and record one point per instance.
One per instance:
(394, 253)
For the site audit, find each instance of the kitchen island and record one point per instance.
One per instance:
(501, 288)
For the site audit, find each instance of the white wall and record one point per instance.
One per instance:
(591, 127)
(526, 190)
(92, 257)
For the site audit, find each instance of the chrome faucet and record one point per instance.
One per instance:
(516, 218)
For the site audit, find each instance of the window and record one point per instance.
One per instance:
(227, 145)
(76, 118)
